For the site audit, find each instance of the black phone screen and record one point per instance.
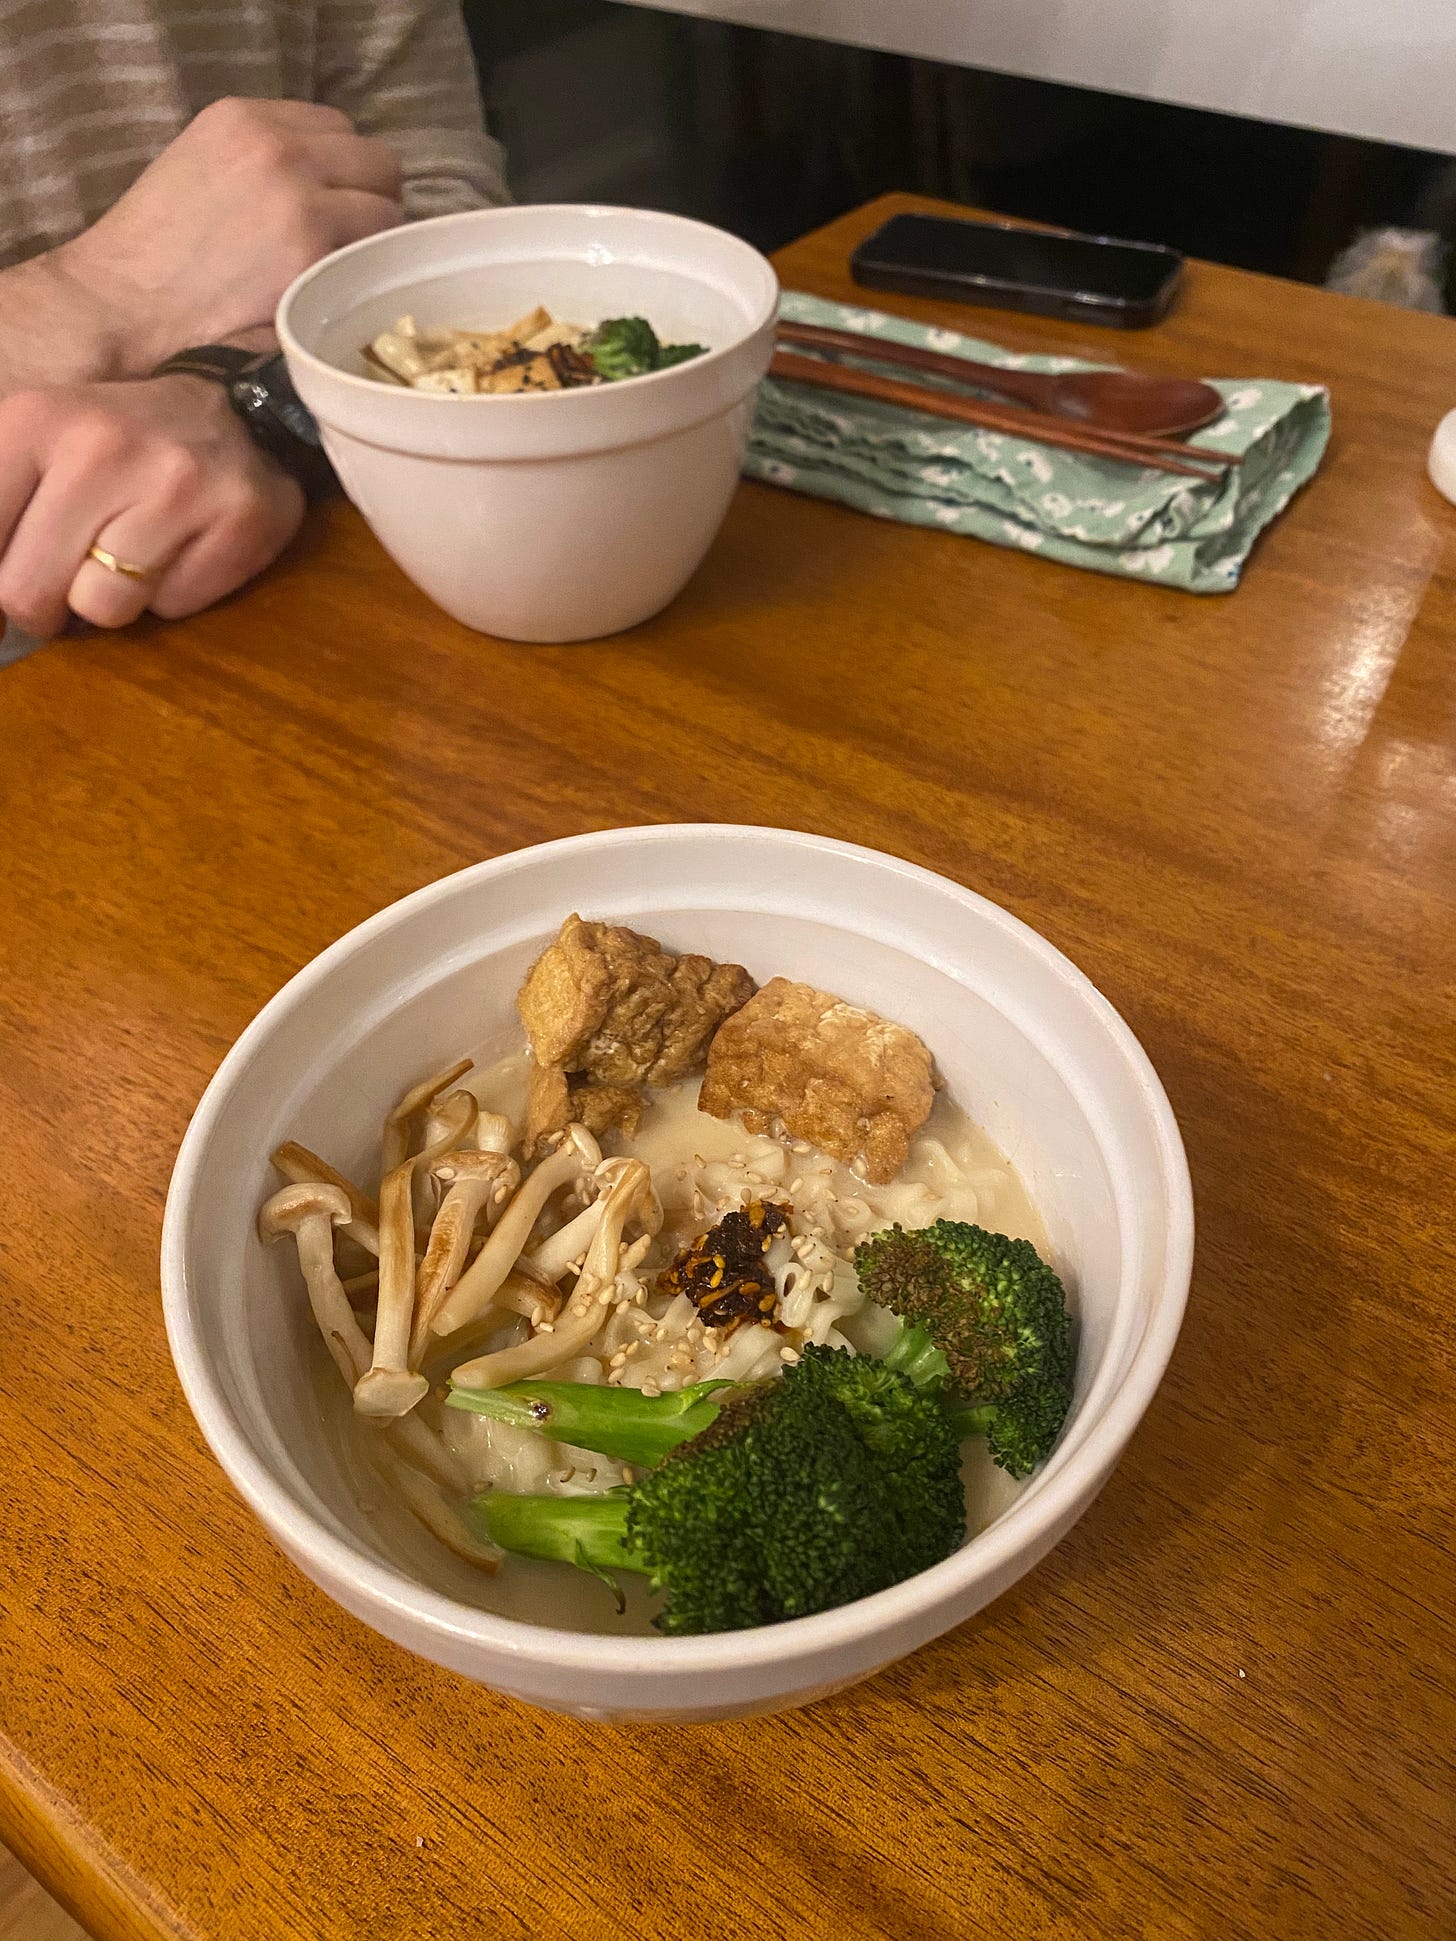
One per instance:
(942, 246)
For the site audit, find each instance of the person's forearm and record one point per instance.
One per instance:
(53, 330)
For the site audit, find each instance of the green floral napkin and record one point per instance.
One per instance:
(1086, 511)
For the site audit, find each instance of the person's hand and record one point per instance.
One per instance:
(161, 474)
(207, 238)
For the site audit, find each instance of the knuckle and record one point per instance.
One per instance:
(176, 471)
(238, 507)
(241, 534)
(327, 119)
(267, 150)
(230, 114)
(26, 415)
(96, 438)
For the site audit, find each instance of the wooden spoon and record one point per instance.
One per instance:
(1155, 407)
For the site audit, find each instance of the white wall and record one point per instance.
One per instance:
(1380, 68)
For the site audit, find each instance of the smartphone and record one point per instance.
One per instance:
(1055, 273)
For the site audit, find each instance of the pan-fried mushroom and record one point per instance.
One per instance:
(571, 1165)
(298, 1164)
(584, 1313)
(389, 1387)
(399, 1123)
(473, 1181)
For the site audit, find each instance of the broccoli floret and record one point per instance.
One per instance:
(628, 347)
(623, 347)
(986, 1316)
(803, 1493)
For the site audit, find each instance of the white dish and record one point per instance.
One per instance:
(1027, 1046)
(555, 515)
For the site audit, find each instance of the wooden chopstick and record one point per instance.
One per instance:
(1130, 448)
(885, 350)
(879, 350)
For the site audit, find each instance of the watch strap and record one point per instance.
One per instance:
(221, 362)
(253, 381)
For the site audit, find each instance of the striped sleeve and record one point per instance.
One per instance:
(404, 70)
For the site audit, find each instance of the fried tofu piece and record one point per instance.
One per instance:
(554, 1101)
(615, 1006)
(852, 1084)
(532, 374)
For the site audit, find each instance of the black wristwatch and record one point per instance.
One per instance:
(260, 391)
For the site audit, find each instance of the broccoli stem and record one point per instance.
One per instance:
(969, 1420)
(588, 1531)
(914, 1353)
(619, 1422)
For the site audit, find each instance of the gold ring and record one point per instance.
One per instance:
(122, 566)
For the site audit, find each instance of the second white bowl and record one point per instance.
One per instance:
(554, 516)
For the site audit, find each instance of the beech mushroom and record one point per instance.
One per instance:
(473, 1181)
(552, 1258)
(395, 1143)
(584, 1313)
(298, 1164)
(572, 1164)
(439, 1121)
(494, 1132)
(388, 1387)
(427, 1504)
(310, 1211)
(523, 1294)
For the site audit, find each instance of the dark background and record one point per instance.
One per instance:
(770, 135)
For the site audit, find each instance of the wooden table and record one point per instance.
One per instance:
(1224, 1706)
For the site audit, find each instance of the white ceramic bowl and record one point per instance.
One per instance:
(1025, 1042)
(559, 515)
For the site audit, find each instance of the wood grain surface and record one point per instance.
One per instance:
(1223, 1707)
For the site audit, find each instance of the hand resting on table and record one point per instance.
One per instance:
(160, 473)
